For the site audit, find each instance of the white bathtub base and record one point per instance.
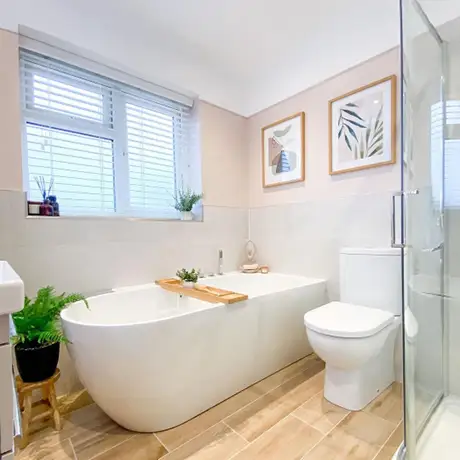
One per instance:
(184, 356)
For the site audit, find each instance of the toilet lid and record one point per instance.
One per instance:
(339, 319)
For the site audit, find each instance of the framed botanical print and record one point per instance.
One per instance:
(362, 128)
(283, 151)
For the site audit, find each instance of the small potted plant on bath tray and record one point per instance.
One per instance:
(185, 200)
(39, 334)
(188, 278)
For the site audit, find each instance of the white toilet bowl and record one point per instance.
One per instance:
(357, 344)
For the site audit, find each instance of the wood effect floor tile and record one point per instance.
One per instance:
(83, 420)
(358, 437)
(92, 442)
(139, 447)
(253, 420)
(219, 442)
(287, 373)
(392, 445)
(60, 451)
(320, 413)
(389, 405)
(179, 435)
(290, 439)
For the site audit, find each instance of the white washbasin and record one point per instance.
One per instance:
(11, 290)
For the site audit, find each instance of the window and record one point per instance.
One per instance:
(451, 154)
(109, 148)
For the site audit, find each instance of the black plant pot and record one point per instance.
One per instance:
(36, 362)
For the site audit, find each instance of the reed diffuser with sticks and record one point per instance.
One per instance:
(46, 208)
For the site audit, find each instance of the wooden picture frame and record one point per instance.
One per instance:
(283, 151)
(363, 127)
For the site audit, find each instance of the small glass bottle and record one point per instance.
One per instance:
(53, 202)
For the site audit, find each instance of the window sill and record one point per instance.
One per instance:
(115, 218)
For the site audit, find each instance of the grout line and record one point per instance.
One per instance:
(110, 448)
(248, 404)
(384, 444)
(279, 422)
(238, 434)
(73, 449)
(325, 435)
(159, 440)
(273, 389)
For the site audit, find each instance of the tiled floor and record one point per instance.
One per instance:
(283, 417)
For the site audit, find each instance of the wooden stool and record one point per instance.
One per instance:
(25, 391)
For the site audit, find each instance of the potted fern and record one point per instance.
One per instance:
(185, 200)
(39, 334)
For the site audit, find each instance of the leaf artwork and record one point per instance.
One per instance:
(362, 144)
(374, 137)
(282, 132)
(348, 121)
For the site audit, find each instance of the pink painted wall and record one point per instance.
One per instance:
(314, 102)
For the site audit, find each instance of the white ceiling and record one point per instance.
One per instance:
(243, 55)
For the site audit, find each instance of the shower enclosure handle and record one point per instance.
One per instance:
(398, 194)
(393, 220)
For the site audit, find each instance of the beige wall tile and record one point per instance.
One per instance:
(389, 405)
(320, 413)
(139, 447)
(290, 439)
(259, 416)
(219, 442)
(358, 437)
(10, 113)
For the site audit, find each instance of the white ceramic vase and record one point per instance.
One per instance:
(188, 284)
(186, 215)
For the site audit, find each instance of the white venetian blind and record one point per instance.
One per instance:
(108, 147)
(451, 154)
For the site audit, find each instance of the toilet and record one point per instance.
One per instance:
(356, 337)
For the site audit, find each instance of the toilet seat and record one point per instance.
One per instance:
(344, 320)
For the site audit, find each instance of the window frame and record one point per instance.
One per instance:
(115, 99)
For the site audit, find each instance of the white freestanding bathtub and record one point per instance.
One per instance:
(152, 359)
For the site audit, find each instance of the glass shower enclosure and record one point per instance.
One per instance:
(430, 216)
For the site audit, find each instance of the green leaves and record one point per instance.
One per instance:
(39, 320)
(348, 121)
(374, 141)
(190, 276)
(185, 199)
(362, 144)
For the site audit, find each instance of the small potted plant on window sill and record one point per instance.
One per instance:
(39, 334)
(185, 200)
(188, 278)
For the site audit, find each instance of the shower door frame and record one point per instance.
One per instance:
(401, 453)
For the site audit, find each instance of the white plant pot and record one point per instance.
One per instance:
(186, 215)
(188, 284)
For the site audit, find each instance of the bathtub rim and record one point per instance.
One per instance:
(65, 313)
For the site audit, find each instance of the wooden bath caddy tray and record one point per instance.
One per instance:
(202, 292)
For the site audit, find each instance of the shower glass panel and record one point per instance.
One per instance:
(423, 172)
